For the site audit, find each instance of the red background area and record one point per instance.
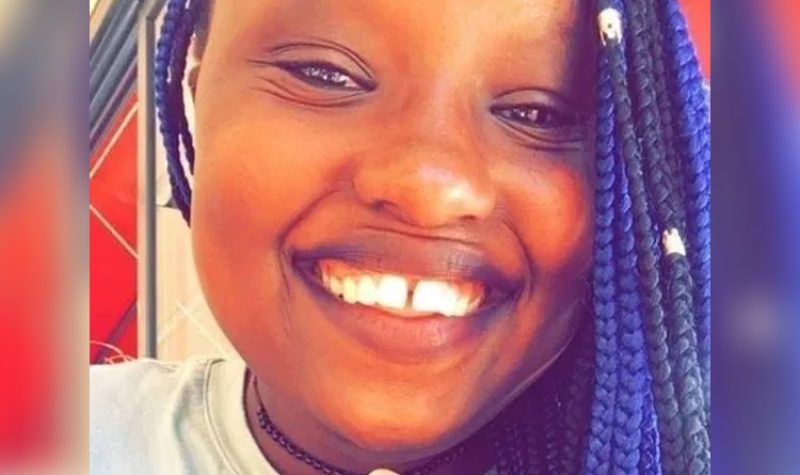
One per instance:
(784, 17)
(32, 263)
(112, 267)
(698, 14)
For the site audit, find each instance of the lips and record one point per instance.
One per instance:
(406, 295)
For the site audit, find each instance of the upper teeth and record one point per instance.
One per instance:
(433, 296)
(392, 291)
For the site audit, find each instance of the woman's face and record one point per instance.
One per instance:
(392, 218)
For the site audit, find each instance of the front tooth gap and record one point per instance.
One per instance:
(393, 291)
(397, 292)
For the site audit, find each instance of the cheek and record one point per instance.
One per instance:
(256, 175)
(553, 206)
(257, 172)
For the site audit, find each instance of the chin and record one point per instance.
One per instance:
(398, 439)
(396, 426)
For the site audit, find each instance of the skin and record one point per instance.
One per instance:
(415, 161)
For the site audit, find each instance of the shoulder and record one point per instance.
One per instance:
(121, 391)
(136, 381)
(140, 410)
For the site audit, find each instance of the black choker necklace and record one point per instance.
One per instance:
(294, 450)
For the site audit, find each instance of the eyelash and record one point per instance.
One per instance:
(320, 74)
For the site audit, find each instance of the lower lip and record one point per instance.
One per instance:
(399, 338)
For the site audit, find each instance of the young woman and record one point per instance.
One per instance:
(445, 237)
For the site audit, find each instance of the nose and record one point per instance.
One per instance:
(427, 182)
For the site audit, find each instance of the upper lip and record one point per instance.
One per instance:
(395, 253)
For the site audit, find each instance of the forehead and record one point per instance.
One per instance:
(411, 22)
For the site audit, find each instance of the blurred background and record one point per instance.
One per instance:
(43, 238)
(756, 231)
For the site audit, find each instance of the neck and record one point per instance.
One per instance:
(322, 445)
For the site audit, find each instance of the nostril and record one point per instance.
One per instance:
(384, 206)
(381, 205)
(390, 208)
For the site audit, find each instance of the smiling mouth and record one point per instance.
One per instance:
(407, 299)
(432, 290)
(402, 295)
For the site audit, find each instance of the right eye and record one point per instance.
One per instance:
(325, 75)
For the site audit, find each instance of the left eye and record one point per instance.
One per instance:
(536, 116)
(323, 75)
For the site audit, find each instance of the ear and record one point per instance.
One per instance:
(191, 78)
(195, 60)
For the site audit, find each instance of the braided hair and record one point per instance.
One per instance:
(631, 393)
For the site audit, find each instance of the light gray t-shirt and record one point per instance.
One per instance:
(156, 418)
(151, 417)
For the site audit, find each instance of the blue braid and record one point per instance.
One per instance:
(627, 430)
(694, 122)
(633, 375)
(599, 455)
(177, 70)
(167, 105)
(636, 196)
(651, 453)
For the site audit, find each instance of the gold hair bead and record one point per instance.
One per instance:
(610, 23)
(673, 244)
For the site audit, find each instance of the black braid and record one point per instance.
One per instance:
(674, 161)
(649, 124)
(533, 424)
(683, 339)
(578, 375)
(513, 449)
(690, 387)
(690, 104)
